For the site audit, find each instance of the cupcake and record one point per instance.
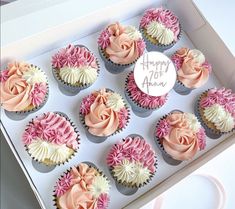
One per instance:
(104, 113)
(179, 136)
(75, 68)
(82, 187)
(216, 110)
(160, 29)
(23, 89)
(193, 70)
(120, 47)
(51, 139)
(132, 162)
(142, 104)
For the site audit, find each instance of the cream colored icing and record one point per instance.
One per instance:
(162, 34)
(100, 185)
(133, 33)
(197, 55)
(193, 122)
(124, 172)
(34, 75)
(69, 75)
(214, 113)
(226, 124)
(115, 101)
(142, 174)
(42, 150)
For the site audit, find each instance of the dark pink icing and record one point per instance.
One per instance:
(103, 40)
(201, 135)
(103, 201)
(133, 149)
(3, 75)
(53, 128)
(38, 93)
(140, 97)
(63, 184)
(74, 56)
(162, 128)
(123, 116)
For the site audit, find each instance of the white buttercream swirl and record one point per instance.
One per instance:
(142, 174)
(115, 101)
(193, 122)
(34, 75)
(132, 32)
(162, 34)
(69, 75)
(226, 124)
(197, 55)
(100, 185)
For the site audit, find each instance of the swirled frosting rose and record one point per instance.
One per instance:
(181, 135)
(123, 45)
(23, 87)
(104, 112)
(132, 161)
(192, 68)
(83, 187)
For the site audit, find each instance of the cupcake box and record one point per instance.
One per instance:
(144, 126)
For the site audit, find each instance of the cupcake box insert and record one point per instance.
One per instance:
(43, 184)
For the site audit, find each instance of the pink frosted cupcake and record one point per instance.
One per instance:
(142, 104)
(160, 28)
(75, 68)
(192, 70)
(216, 110)
(179, 136)
(23, 89)
(120, 47)
(51, 139)
(104, 113)
(82, 187)
(132, 162)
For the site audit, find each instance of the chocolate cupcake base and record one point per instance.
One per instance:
(111, 66)
(138, 111)
(180, 88)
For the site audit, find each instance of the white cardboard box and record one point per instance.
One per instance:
(24, 38)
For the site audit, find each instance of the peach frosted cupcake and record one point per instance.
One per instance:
(104, 113)
(23, 89)
(193, 70)
(179, 136)
(120, 47)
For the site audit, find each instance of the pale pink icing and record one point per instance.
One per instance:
(123, 117)
(53, 128)
(140, 97)
(17, 68)
(133, 149)
(181, 142)
(3, 75)
(163, 128)
(38, 93)
(164, 16)
(74, 56)
(86, 104)
(103, 40)
(103, 201)
(190, 73)
(201, 135)
(224, 97)
(63, 184)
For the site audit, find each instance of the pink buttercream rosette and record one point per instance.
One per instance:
(119, 48)
(176, 137)
(75, 189)
(135, 150)
(23, 88)
(141, 99)
(55, 129)
(100, 119)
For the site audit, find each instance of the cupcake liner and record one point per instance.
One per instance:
(157, 47)
(127, 188)
(100, 139)
(90, 164)
(43, 166)
(212, 133)
(112, 67)
(180, 88)
(20, 115)
(69, 89)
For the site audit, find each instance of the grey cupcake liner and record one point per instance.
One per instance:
(211, 133)
(90, 164)
(158, 47)
(100, 139)
(69, 89)
(112, 67)
(168, 158)
(20, 115)
(43, 167)
(180, 88)
(128, 188)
